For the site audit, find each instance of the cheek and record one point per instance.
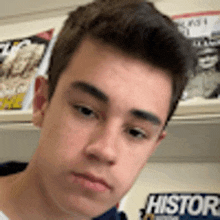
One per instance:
(133, 160)
(63, 136)
(129, 167)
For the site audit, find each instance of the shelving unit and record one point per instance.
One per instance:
(193, 121)
(188, 112)
(198, 106)
(11, 116)
(193, 134)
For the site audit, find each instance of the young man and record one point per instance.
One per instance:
(116, 74)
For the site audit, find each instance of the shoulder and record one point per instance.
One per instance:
(8, 173)
(5, 183)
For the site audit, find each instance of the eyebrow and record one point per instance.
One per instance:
(98, 94)
(148, 116)
(90, 89)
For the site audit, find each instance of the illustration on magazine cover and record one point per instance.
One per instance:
(204, 31)
(19, 61)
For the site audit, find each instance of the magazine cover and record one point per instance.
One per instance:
(204, 30)
(181, 206)
(19, 62)
(42, 71)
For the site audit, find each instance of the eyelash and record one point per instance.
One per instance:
(79, 108)
(134, 132)
(137, 133)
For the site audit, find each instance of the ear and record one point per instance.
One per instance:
(158, 140)
(162, 135)
(40, 101)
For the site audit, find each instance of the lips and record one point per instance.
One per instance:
(89, 181)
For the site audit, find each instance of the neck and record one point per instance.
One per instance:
(27, 199)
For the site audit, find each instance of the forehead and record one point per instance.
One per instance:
(127, 81)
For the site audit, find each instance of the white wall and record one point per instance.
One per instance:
(175, 7)
(28, 28)
(25, 17)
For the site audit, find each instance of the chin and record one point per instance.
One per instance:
(84, 207)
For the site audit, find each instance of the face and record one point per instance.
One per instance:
(103, 122)
(208, 58)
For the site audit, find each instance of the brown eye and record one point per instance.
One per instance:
(85, 111)
(137, 133)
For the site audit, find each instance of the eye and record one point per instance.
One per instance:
(85, 111)
(137, 133)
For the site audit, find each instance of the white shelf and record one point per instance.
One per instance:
(25, 10)
(198, 106)
(17, 127)
(196, 110)
(15, 116)
(192, 135)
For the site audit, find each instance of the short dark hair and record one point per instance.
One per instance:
(135, 27)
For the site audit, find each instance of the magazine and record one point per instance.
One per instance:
(19, 62)
(204, 30)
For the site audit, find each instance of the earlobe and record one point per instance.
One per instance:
(162, 135)
(40, 101)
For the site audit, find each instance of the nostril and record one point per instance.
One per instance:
(111, 163)
(93, 157)
(98, 156)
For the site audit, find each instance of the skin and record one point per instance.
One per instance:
(109, 134)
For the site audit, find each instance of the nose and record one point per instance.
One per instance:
(103, 145)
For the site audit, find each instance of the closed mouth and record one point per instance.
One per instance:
(93, 179)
